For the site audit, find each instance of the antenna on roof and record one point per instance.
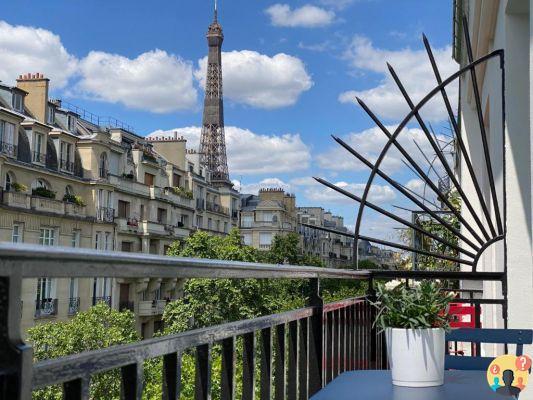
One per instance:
(216, 11)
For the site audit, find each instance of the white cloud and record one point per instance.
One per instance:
(253, 153)
(307, 16)
(414, 70)
(323, 194)
(416, 185)
(27, 49)
(268, 183)
(154, 81)
(370, 143)
(260, 81)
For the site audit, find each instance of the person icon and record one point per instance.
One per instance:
(496, 383)
(508, 389)
(520, 385)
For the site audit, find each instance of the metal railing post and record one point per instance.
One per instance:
(371, 328)
(316, 344)
(15, 355)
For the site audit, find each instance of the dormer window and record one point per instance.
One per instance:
(18, 102)
(71, 123)
(51, 115)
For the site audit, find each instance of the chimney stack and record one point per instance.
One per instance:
(36, 85)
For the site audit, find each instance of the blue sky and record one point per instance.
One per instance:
(305, 61)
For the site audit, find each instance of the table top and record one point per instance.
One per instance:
(377, 385)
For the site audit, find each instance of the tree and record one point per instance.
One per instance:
(96, 328)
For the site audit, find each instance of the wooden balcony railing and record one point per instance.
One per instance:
(299, 351)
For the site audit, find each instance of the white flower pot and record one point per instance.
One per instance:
(416, 356)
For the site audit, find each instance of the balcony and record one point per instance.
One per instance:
(66, 165)
(45, 308)
(217, 208)
(105, 214)
(306, 348)
(99, 299)
(75, 210)
(235, 214)
(8, 148)
(73, 305)
(126, 305)
(129, 185)
(151, 307)
(44, 204)
(38, 157)
(16, 199)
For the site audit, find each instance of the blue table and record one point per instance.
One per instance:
(377, 385)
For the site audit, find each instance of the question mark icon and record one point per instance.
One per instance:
(523, 363)
(495, 369)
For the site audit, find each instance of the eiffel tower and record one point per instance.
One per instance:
(213, 141)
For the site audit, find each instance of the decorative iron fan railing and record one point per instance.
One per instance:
(481, 221)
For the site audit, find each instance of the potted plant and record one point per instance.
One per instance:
(43, 192)
(414, 320)
(19, 187)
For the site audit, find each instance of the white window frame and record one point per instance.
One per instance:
(262, 238)
(47, 236)
(18, 102)
(17, 234)
(45, 289)
(7, 135)
(51, 115)
(75, 238)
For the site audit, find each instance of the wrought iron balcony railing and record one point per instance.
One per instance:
(73, 305)
(45, 308)
(105, 214)
(105, 299)
(66, 165)
(8, 148)
(38, 157)
(313, 344)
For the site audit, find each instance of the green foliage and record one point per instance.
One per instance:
(19, 187)
(424, 305)
(367, 264)
(180, 191)
(96, 328)
(74, 198)
(43, 192)
(428, 244)
(284, 249)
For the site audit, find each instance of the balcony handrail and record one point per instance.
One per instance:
(68, 368)
(30, 260)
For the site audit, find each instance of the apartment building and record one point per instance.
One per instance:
(71, 178)
(334, 250)
(272, 212)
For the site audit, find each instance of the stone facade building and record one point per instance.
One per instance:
(70, 178)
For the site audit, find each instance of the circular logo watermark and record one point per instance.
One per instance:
(508, 374)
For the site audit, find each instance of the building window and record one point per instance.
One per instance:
(265, 240)
(47, 237)
(7, 137)
(209, 223)
(102, 166)
(65, 156)
(16, 236)
(8, 181)
(71, 123)
(149, 179)
(18, 102)
(161, 215)
(247, 239)
(123, 209)
(108, 242)
(176, 180)
(199, 221)
(75, 239)
(225, 227)
(44, 289)
(51, 115)
(247, 221)
(37, 148)
(98, 240)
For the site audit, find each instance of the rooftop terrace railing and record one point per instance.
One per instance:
(298, 351)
